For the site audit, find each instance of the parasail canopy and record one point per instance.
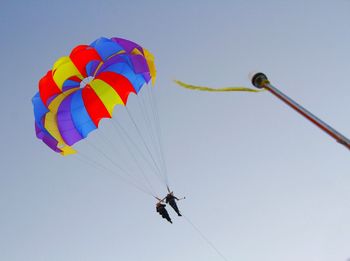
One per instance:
(84, 87)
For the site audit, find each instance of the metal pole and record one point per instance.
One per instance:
(260, 81)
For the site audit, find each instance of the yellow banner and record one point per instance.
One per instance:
(209, 89)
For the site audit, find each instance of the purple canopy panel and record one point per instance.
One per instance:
(127, 45)
(111, 61)
(147, 76)
(65, 122)
(39, 133)
(140, 64)
(52, 143)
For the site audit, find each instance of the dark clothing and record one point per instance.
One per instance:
(163, 212)
(170, 199)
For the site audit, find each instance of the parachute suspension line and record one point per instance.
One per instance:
(143, 140)
(136, 161)
(154, 134)
(142, 172)
(147, 182)
(98, 166)
(205, 238)
(114, 163)
(148, 124)
(157, 121)
(107, 157)
(109, 144)
(119, 128)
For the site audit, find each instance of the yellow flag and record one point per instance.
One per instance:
(209, 89)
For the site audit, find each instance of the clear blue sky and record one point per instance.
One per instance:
(261, 182)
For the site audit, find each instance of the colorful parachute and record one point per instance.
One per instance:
(85, 86)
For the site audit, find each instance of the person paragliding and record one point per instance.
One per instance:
(162, 211)
(170, 199)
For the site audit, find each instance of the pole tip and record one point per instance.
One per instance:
(258, 79)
